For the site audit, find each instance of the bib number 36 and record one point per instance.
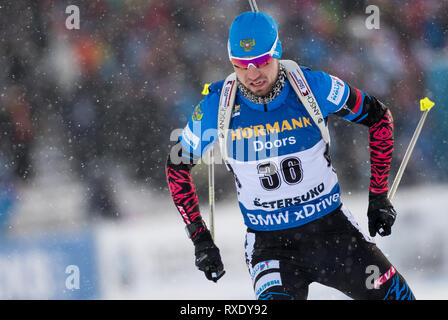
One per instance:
(271, 177)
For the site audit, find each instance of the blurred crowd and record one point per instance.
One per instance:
(120, 84)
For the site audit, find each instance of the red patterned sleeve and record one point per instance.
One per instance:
(381, 143)
(183, 193)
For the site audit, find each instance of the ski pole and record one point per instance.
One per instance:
(425, 106)
(253, 5)
(211, 192)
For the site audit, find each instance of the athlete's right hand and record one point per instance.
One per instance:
(208, 259)
(381, 215)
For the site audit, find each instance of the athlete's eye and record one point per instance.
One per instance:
(267, 63)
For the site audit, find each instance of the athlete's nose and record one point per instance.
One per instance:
(252, 72)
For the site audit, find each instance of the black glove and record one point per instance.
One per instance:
(207, 254)
(381, 215)
(208, 260)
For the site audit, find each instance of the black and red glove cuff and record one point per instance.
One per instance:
(197, 231)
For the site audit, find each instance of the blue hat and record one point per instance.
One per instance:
(252, 34)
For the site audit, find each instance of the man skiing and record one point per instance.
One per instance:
(270, 121)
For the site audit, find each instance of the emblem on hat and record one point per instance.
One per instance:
(247, 44)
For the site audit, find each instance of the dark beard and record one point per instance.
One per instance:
(273, 93)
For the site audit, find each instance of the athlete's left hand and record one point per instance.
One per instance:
(381, 215)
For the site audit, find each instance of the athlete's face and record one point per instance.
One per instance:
(258, 80)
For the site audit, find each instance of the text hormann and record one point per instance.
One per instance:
(277, 127)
